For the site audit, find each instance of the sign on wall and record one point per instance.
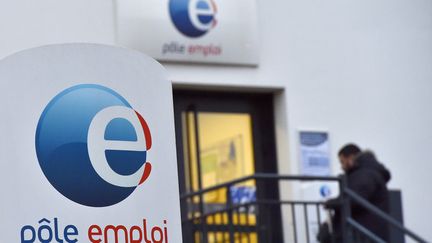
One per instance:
(315, 153)
(87, 150)
(205, 31)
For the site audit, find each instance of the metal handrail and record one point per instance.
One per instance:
(370, 207)
(364, 231)
(216, 187)
(200, 220)
(257, 202)
(261, 176)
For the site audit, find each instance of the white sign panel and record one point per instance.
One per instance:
(87, 150)
(205, 31)
(315, 153)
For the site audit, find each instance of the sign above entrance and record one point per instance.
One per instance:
(203, 31)
(87, 147)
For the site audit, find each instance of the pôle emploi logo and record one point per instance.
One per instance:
(192, 18)
(92, 147)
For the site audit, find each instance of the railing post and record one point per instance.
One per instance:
(203, 219)
(345, 210)
(229, 206)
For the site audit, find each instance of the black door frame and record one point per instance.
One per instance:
(260, 107)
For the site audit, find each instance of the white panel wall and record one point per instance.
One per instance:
(361, 69)
(30, 23)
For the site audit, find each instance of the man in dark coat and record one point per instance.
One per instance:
(368, 178)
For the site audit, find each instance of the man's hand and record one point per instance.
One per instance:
(333, 203)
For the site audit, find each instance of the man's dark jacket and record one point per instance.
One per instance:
(368, 178)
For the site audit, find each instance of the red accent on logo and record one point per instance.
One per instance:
(215, 11)
(146, 174)
(214, 6)
(148, 138)
(146, 129)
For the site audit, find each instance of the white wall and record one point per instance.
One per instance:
(361, 69)
(28, 23)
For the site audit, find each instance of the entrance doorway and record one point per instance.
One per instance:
(222, 137)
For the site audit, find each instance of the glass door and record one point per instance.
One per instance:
(222, 138)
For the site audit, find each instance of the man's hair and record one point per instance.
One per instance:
(349, 149)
